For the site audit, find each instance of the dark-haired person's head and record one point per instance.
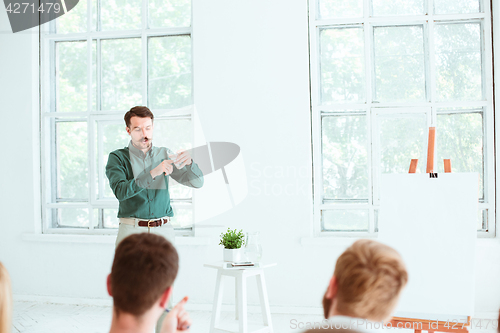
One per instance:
(368, 279)
(139, 121)
(142, 275)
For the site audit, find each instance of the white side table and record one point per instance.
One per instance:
(240, 274)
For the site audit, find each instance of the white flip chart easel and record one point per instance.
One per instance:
(432, 223)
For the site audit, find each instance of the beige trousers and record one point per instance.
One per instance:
(124, 230)
(166, 230)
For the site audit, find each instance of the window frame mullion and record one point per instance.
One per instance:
(314, 53)
(100, 162)
(488, 121)
(90, 129)
(144, 52)
(369, 59)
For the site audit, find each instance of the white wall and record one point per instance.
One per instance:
(251, 88)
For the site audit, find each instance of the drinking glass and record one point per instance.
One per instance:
(253, 249)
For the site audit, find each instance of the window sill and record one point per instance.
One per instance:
(106, 239)
(346, 239)
(340, 238)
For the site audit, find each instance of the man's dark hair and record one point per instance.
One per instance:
(137, 111)
(145, 265)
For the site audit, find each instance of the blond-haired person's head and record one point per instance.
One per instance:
(5, 301)
(366, 283)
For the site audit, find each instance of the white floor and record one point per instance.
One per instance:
(34, 317)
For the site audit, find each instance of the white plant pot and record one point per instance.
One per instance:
(234, 255)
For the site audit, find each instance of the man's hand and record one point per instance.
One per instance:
(164, 167)
(177, 319)
(183, 158)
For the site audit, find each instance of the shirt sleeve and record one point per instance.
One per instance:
(122, 187)
(189, 175)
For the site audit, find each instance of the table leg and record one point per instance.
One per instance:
(264, 302)
(216, 309)
(241, 291)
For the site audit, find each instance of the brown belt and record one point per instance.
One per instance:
(152, 223)
(146, 223)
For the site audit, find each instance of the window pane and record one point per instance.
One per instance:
(459, 137)
(170, 78)
(70, 217)
(109, 218)
(456, 6)
(344, 151)
(344, 220)
(71, 76)
(342, 65)
(399, 64)
(183, 216)
(71, 159)
(169, 13)
(94, 23)
(121, 14)
(407, 7)
(73, 21)
(174, 134)
(121, 73)
(340, 8)
(113, 136)
(458, 61)
(402, 138)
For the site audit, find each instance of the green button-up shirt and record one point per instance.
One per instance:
(139, 195)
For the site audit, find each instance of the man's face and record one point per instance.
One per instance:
(141, 132)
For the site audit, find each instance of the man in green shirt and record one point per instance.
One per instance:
(139, 177)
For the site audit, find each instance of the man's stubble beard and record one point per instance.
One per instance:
(140, 147)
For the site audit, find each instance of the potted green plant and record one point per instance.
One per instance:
(233, 240)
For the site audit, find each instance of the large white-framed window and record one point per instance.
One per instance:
(382, 72)
(97, 61)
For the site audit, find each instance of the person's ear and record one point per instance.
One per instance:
(165, 296)
(128, 130)
(331, 292)
(329, 298)
(108, 285)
